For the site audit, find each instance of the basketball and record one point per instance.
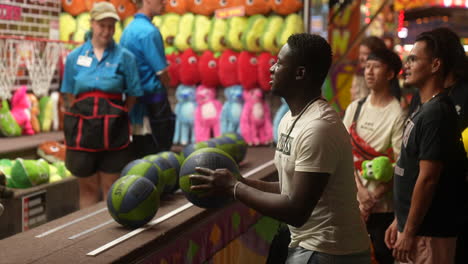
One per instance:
(167, 172)
(133, 201)
(189, 149)
(147, 169)
(211, 158)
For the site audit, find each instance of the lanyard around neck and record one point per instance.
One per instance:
(300, 114)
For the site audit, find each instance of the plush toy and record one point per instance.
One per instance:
(207, 114)
(227, 68)
(52, 151)
(254, 7)
(216, 39)
(74, 7)
(67, 26)
(129, 19)
(125, 8)
(247, 69)
(208, 68)
(268, 38)
(5, 192)
(265, 60)
(90, 3)
(184, 110)
(235, 29)
(201, 28)
(20, 109)
(282, 110)
(169, 28)
(188, 69)
(5, 168)
(8, 125)
(118, 32)
(83, 24)
(378, 169)
(46, 106)
(255, 29)
(255, 125)
(54, 98)
(176, 6)
(34, 110)
(232, 109)
(29, 173)
(203, 7)
(184, 36)
(286, 7)
(293, 24)
(173, 59)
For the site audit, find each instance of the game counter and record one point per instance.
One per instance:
(179, 233)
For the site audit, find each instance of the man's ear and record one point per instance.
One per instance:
(300, 73)
(436, 65)
(390, 74)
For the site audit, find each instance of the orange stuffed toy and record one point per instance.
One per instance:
(176, 6)
(89, 3)
(74, 7)
(125, 8)
(203, 7)
(34, 112)
(252, 7)
(286, 7)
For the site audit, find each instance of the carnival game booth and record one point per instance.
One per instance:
(179, 233)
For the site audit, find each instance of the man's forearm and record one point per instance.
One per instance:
(423, 193)
(271, 187)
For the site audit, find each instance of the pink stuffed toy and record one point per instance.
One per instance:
(208, 68)
(188, 69)
(207, 114)
(265, 61)
(174, 63)
(247, 70)
(21, 110)
(255, 122)
(227, 68)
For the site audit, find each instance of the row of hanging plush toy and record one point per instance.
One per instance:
(244, 76)
(29, 115)
(126, 8)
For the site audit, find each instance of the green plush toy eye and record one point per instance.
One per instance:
(235, 29)
(268, 39)
(201, 28)
(255, 29)
(182, 39)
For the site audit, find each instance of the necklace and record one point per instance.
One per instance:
(300, 114)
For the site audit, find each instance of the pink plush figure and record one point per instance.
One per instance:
(247, 70)
(21, 110)
(207, 114)
(265, 61)
(174, 64)
(188, 69)
(227, 68)
(255, 122)
(208, 68)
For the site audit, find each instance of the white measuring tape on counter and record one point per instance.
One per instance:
(162, 218)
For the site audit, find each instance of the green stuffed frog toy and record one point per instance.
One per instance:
(378, 169)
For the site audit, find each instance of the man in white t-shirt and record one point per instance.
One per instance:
(376, 127)
(316, 194)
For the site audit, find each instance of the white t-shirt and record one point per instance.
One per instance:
(381, 128)
(319, 142)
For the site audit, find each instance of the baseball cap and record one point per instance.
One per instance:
(103, 10)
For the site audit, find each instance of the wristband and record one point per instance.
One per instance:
(235, 189)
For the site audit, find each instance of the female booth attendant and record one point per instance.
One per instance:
(101, 84)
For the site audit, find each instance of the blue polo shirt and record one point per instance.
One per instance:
(116, 72)
(144, 40)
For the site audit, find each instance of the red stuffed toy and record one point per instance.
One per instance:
(227, 68)
(286, 7)
(208, 68)
(176, 6)
(247, 70)
(188, 69)
(173, 58)
(265, 61)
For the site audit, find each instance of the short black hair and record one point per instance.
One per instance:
(314, 53)
(437, 48)
(387, 57)
(373, 43)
